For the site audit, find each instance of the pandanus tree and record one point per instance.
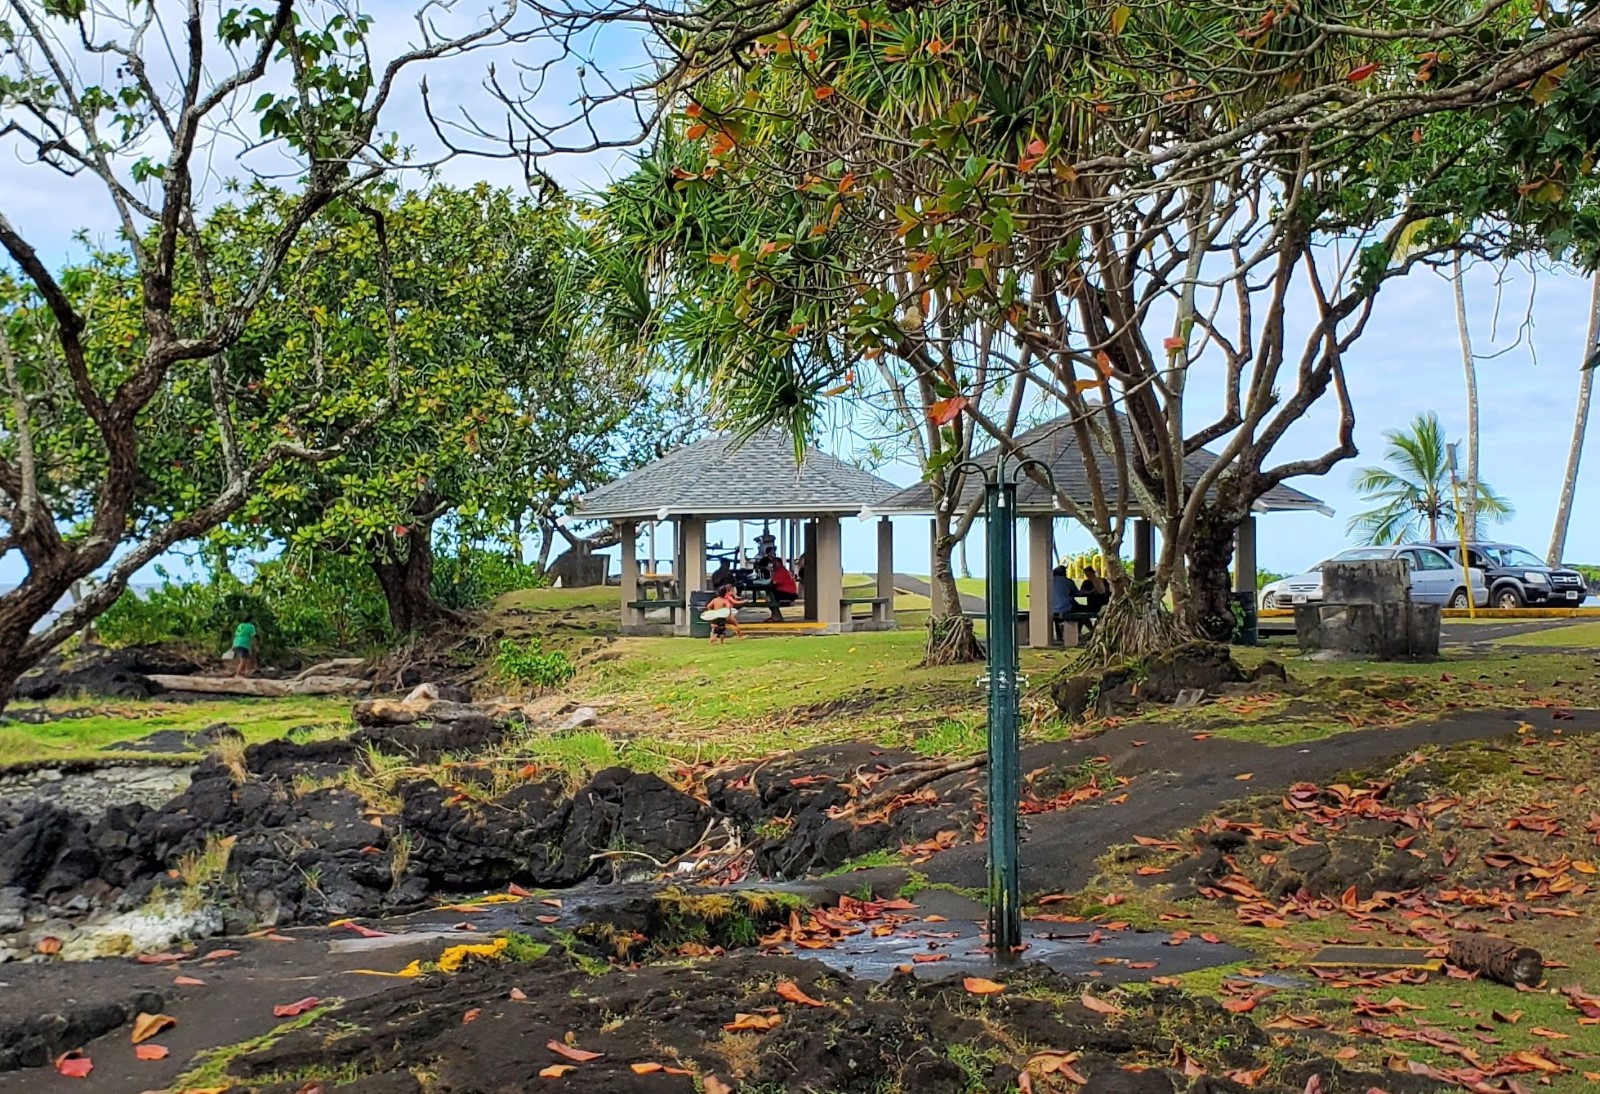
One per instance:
(1167, 223)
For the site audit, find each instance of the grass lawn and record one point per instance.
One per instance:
(1576, 636)
(79, 738)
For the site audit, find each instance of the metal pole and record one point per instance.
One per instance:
(1005, 898)
(1461, 534)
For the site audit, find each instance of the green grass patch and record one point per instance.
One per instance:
(73, 738)
(1572, 636)
(952, 738)
(211, 1067)
(872, 860)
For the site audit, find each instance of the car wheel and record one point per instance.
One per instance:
(1508, 598)
(1459, 599)
(1269, 602)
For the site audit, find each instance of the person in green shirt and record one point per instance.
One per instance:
(246, 640)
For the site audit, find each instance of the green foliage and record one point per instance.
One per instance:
(529, 664)
(951, 738)
(1413, 494)
(1267, 577)
(474, 578)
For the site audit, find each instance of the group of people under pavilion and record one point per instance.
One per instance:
(807, 494)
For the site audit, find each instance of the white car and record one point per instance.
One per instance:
(1434, 578)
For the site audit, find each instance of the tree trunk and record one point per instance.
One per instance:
(404, 569)
(1580, 426)
(1209, 606)
(50, 578)
(951, 638)
(1469, 501)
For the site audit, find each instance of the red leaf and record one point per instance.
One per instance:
(576, 1055)
(788, 989)
(150, 1052)
(291, 1010)
(74, 1064)
(1355, 76)
(945, 410)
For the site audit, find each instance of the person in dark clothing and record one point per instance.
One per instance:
(1063, 599)
(1096, 590)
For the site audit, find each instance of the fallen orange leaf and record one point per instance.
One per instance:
(188, 982)
(147, 1026)
(757, 1023)
(788, 989)
(977, 985)
(74, 1064)
(555, 1071)
(150, 1052)
(576, 1055)
(715, 1085)
(291, 1010)
(471, 1015)
(1098, 1005)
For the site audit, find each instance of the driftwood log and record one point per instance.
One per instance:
(262, 688)
(1498, 959)
(397, 712)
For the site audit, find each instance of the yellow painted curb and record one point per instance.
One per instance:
(1482, 613)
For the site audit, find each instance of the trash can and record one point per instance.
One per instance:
(698, 599)
(1245, 631)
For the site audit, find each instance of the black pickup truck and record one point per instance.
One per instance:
(1519, 578)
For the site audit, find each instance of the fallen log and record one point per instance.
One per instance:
(1498, 959)
(261, 687)
(396, 712)
(336, 667)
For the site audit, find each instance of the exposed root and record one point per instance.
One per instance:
(951, 641)
(1133, 626)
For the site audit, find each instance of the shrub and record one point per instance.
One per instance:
(531, 665)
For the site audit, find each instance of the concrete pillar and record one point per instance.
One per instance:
(809, 556)
(829, 557)
(630, 573)
(1040, 631)
(1244, 557)
(886, 560)
(692, 534)
(1144, 547)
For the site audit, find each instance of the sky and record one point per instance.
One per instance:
(1528, 328)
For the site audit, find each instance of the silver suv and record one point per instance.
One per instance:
(1435, 579)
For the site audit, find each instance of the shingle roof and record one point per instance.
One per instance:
(1056, 445)
(719, 476)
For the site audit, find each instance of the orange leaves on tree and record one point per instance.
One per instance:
(946, 411)
(1031, 157)
(576, 1055)
(977, 985)
(696, 131)
(792, 992)
(1356, 75)
(1174, 344)
(822, 93)
(694, 110)
(75, 1064)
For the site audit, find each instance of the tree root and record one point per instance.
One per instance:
(951, 641)
(929, 772)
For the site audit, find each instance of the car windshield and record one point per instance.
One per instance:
(1514, 556)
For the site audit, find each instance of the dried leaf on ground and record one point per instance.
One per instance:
(977, 985)
(150, 1052)
(299, 1007)
(788, 989)
(576, 1055)
(75, 1064)
(147, 1026)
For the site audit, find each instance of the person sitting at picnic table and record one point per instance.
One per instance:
(722, 612)
(781, 587)
(1063, 598)
(1096, 590)
(723, 574)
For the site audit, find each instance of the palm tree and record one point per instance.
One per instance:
(1413, 491)
(1580, 424)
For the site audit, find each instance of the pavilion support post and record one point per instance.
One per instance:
(689, 566)
(630, 575)
(1144, 548)
(885, 614)
(830, 572)
(1040, 630)
(808, 558)
(1244, 556)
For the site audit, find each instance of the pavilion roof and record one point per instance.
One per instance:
(1055, 444)
(719, 476)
